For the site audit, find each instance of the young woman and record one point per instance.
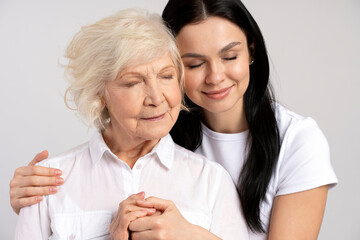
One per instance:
(278, 159)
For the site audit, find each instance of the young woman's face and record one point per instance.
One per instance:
(216, 59)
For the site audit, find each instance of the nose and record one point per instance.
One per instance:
(215, 73)
(154, 94)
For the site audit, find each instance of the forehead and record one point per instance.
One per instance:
(212, 33)
(162, 63)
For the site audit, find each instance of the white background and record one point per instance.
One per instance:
(314, 46)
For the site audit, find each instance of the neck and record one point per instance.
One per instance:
(127, 148)
(230, 121)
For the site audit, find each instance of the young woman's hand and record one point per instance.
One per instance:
(31, 182)
(170, 224)
(128, 211)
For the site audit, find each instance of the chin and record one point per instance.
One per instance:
(156, 133)
(217, 108)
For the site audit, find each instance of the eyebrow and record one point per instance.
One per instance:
(168, 67)
(135, 74)
(224, 49)
(140, 74)
(229, 46)
(192, 55)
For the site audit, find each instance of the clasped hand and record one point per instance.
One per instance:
(151, 218)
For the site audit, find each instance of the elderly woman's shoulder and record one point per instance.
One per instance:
(66, 157)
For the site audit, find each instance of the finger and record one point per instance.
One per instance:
(145, 223)
(133, 208)
(129, 204)
(24, 202)
(32, 191)
(39, 157)
(36, 181)
(121, 224)
(136, 197)
(124, 210)
(125, 207)
(159, 204)
(145, 204)
(37, 170)
(157, 213)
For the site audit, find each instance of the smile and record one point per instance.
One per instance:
(155, 118)
(218, 94)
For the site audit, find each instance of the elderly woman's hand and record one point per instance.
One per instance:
(169, 225)
(31, 182)
(128, 212)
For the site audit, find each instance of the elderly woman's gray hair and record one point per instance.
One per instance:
(100, 51)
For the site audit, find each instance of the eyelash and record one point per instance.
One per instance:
(230, 58)
(131, 84)
(195, 66)
(199, 65)
(168, 77)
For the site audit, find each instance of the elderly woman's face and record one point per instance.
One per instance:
(144, 101)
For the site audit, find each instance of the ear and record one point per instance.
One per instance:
(103, 103)
(102, 96)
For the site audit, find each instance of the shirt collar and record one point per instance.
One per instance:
(97, 147)
(164, 149)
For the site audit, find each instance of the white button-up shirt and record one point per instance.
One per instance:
(96, 181)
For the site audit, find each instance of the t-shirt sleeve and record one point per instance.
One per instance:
(304, 161)
(227, 217)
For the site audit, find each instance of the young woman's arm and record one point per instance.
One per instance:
(31, 182)
(305, 174)
(299, 215)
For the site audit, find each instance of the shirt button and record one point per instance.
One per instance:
(138, 166)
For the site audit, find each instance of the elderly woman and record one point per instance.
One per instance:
(125, 77)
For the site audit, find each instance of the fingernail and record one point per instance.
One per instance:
(58, 172)
(59, 180)
(53, 189)
(38, 198)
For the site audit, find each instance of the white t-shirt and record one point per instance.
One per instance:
(96, 181)
(303, 163)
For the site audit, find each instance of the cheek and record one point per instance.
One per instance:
(119, 105)
(193, 81)
(173, 96)
(240, 73)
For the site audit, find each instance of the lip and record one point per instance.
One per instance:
(218, 94)
(155, 118)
